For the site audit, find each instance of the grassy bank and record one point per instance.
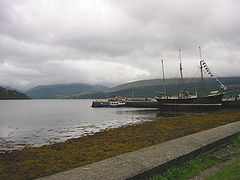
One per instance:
(30, 163)
(189, 169)
(231, 171)
(193, 167)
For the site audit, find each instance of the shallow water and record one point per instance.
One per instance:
(38, 122)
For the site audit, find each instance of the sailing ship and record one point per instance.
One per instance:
(185, 98)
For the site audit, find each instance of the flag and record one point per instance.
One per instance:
(212, 76)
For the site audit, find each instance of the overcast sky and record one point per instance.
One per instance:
(112, 42)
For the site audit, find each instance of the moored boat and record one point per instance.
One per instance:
(215, 99)
(185, 98)
(113, 104)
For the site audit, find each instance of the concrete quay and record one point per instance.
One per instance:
(134, 165)
(140, 104)
(179, 107)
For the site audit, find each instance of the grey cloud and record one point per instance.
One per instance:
(132, 34)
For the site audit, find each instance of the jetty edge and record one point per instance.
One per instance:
(140, 104)
(140, 163)
(155, 104)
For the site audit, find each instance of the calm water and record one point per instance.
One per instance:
(39, 122)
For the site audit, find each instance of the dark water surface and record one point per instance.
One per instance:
(39, 122)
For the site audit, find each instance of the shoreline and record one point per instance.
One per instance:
(34, 162)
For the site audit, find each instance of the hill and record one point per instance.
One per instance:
(140, 89)
(154, 87)
(148, 83)
(11, 88)
(11, 94)
(63, 90)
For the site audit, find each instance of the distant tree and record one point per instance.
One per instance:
(11, 94)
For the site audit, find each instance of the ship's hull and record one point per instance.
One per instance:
(211, 99)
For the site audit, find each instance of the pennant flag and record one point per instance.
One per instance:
(212, 76)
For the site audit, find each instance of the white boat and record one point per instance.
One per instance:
(113, 104)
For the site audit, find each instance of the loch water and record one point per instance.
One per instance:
(39, 122)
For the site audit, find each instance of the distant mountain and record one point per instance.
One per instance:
(139, 89)
(63, 90)
(154, 87)
(11, 94)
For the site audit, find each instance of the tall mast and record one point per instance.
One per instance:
(164, 82)
(181, 72)
(201, 67)
(132, 93)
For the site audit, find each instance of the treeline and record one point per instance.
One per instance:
(11, 94)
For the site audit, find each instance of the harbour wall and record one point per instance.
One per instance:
(138, 104)
(154, 104)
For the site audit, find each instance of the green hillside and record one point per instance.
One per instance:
(62, 90)
(154, 87)
(141, 89)
(11, 94)
(148, 83)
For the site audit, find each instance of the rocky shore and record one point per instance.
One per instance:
(31, 163)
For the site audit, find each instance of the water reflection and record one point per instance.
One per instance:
(39, 122)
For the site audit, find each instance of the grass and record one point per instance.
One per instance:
(232, 171)
(236, 142)
(31, 163)
(188, 169)
(193, 167)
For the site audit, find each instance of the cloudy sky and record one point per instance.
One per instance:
(112, 42)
